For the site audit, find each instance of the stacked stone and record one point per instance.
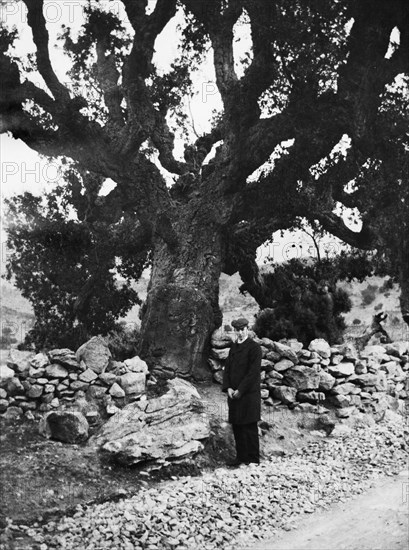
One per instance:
(325, 377)
(48, 381)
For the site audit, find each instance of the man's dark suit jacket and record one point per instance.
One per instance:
(242, 372)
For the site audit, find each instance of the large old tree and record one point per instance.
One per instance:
(318, 73)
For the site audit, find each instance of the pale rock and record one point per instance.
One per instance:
(66, 426)
(273, 356)
(342, 369)
(47, 397)
(13, 413)
(97, 392)
(285, 394)
(302, 377)
(35, 391)
(320, 346)
(133, 382)
(28, 406)
(219, 354)
(112, 409)
(49, 388)
(326, 381)
(73, 376)
(34, 372)
(398, 348)
(19, 361)
(55, 403)
(56, 371)
(346, 389)
(218, 376)
(169, 426)
(95, 354)
(42, 381)
(3, 393)
(39, 361)
(108, 378)
(336, 359)
(373, 351)
(116, 390)
(136, 364)
(221, 339)
(283, 365)
(346, 412)
(393, 370)
(348, 350)
(78, 385)
(341, 431)
(88, 376)
(306, 408)
(286, 351)
(267, 343)
(294, 344)
(28, 415)
(64, 357)
(378, 381)
(264, 394)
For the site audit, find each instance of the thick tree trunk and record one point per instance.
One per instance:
(182, 308)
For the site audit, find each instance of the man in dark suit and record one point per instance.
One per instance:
(241, 381)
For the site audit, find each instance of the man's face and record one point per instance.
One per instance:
(241, 334)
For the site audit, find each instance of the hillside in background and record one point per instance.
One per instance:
(368, 298)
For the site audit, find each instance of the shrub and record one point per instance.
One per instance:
(378, 307)
(369, 294)
(356, 322)
(307, 304)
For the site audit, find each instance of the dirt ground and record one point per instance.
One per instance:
(376, 520)
(41, 478)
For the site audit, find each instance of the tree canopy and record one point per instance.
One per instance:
(317, 74)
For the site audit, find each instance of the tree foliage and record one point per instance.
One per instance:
(312, 121)
(66, 263)
(305, 302)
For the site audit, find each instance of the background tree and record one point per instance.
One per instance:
(65, 261)
(302, 301)
(315, 75)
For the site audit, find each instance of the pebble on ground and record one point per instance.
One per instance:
(233, 508)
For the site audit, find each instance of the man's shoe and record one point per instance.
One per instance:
(234, 463)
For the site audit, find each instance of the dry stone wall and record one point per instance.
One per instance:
(325, 376)
(48, 381)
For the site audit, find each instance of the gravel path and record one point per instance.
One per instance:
(235, 508)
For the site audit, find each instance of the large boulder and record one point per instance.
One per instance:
(326, 382)
(302, 377)
(64, 357)
(136, 364)
(19, 361)
(133, 383)
(285, 351)
(39, 361)
(345, 368)
(56, 371)
(95, 354)
(6, 374)
(66, 426)
(397, 349)
(166, 427)
(320, 346)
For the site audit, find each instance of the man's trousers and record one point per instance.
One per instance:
(247, 443)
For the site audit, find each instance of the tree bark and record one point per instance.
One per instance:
(182, 306)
